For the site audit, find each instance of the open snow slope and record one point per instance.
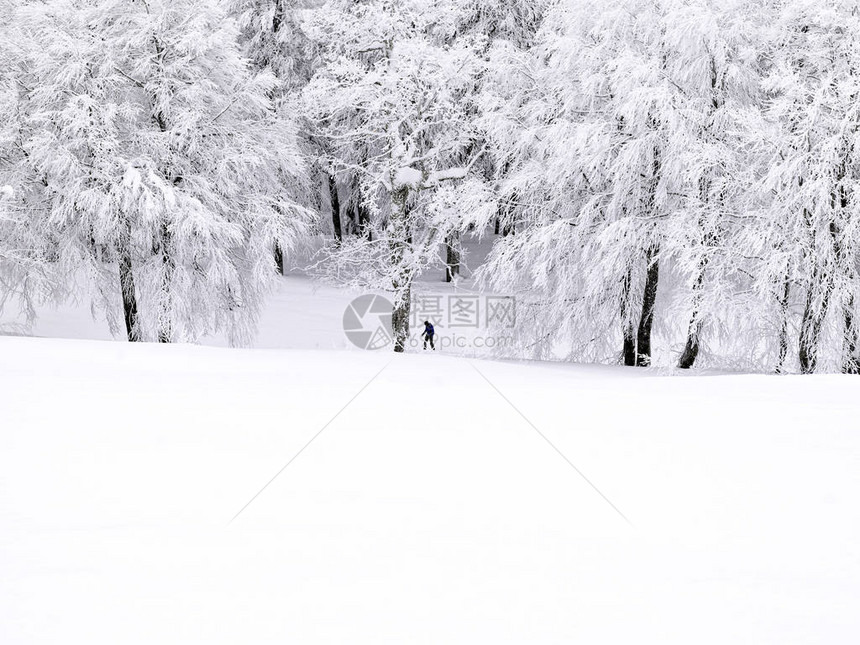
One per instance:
(302, 313)
(428, 510)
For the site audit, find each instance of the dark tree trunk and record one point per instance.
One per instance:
(627, 329)
(165, 308)
(335, 208)
(129, 297)
(809, 330)
(783, 329)
(652, 276)
(694, 331)
(399, 240)
(691, 349)
(364, 223)
(279, 259)
(814, 317)
(505, 216)
(811, 324)
(400, 321)
(850, 359)
(649, 298)
(165, 318)
(278, 17)
(452, 256)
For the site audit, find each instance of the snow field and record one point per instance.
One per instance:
(428, 510)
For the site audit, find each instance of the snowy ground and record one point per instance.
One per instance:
(428, 510)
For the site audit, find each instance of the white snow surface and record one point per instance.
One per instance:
(426, 508)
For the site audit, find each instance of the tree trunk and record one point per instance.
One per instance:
(452, 256)
(400, 320)
(364, 223)
(627, 330)
(809, 330)
(279, 259)
(497, 226)
(811, 324)
(278, 17)
(398, 241)
(335, 208)
(691, 349)
(814, 317)
(129, 297)
(165, 314)
(652, 276)
(783, 330)
(646, 321)
(694, 331)
(850, 358)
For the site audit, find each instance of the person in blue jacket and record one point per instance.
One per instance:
(428, 334)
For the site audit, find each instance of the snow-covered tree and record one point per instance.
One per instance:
(274, 40)
(679, 174)
(712, 59)
(393, 103)
(22, 265)
(594, 133)
(623, 136)
(500, 27)
(515, 22)
(160, 154)
(809, 250)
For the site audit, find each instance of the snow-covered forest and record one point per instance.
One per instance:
(680, 173)
(629, 231)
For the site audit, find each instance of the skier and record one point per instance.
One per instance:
(428, 334)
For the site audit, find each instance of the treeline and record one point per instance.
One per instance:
(666, 182)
